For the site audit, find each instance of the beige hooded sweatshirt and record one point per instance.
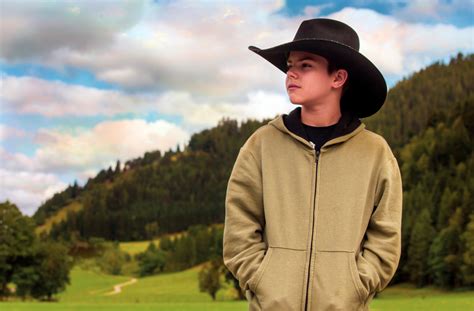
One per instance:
(313, 230)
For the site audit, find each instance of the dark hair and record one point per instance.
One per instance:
(332, 67)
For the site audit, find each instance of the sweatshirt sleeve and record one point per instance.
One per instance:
(380, 254)
(243, 245)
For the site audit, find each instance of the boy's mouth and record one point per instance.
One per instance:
(292, 86)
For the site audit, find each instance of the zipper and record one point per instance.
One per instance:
(316, 160)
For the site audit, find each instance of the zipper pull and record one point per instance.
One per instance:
(317, 156)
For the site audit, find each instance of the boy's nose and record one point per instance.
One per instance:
(291, 73)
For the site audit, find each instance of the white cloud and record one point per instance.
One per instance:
(16, 161)
(102, 145)
(204, 114)
(29, 95)
(28, 189)
(315, 10)
(8, 132)
(88, 150)
(30, 30)
(398, 48)
(201, 47)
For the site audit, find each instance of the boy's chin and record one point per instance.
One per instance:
(295, 101)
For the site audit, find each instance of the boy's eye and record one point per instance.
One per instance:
(301, 65)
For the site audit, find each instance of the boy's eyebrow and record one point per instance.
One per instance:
(302, 59)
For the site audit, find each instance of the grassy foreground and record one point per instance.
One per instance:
(407, 297)
(179, 291)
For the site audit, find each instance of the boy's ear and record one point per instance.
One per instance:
(340, 77)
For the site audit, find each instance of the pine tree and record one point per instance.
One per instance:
(117, 168)
(449, 201)
(210, 277)
(445, 257)
(467, 266)
(418, 249)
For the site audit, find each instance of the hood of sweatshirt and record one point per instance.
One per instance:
(347, 126)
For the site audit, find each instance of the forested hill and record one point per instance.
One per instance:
(428, 120)
(424, 99)
(157, 193)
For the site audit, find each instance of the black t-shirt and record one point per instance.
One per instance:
(319, 135)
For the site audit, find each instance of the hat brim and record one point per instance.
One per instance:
(368, 89)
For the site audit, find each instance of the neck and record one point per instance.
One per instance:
(320, 115)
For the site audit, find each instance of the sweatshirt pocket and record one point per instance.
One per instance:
(280, 284)
(337, 285)
(253, 283)
(362, 291)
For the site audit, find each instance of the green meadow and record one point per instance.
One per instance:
(134, 248)
(92, 290)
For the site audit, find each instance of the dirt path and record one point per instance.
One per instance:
(118, 287)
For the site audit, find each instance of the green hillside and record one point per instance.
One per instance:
(58, 216)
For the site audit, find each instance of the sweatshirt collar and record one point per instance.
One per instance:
(347, 126)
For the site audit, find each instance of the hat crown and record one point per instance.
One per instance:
(328, 29)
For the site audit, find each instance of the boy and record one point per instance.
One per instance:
(314, 201)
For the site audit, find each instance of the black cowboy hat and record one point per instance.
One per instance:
(339, 43)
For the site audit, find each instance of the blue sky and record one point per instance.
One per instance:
(87, 83)
(458, 13)
(68, 75)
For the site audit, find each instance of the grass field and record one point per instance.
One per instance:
(179, 291)
(134, 248)
(406, 297)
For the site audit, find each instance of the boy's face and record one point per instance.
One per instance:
(308, 82)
